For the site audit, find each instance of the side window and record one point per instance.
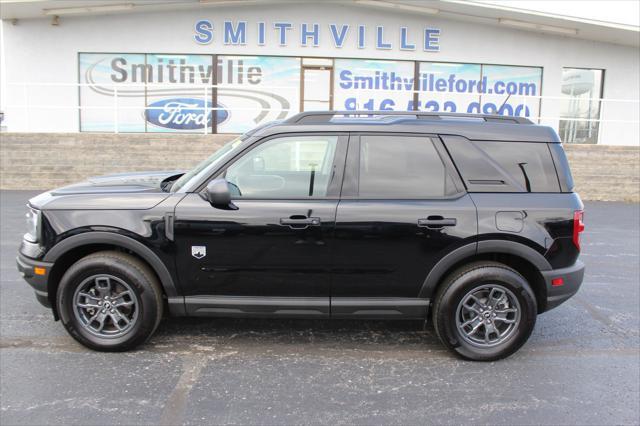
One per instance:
(287, 167)
(530, 164)
(401, 167)
(489, 166)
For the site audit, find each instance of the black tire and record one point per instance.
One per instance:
(123, 268)
(474, 277)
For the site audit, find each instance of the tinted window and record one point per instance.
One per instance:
(504, 166)
(530, 164)
(289, 167)
(401, 167)
(562, 166)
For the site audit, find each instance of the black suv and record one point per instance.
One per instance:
(468, 220)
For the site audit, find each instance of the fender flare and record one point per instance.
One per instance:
(481, 247)
(111, 238)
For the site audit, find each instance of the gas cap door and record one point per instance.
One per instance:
(510, 221)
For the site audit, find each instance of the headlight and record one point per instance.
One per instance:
(33, 225)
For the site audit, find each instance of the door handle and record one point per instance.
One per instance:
(302, 222)
(436, 222)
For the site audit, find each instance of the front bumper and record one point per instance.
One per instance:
(572, 279)
(27, 267)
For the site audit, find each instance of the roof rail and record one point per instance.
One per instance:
(316, 117)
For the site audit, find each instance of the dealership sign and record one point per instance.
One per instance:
(175, 93)
(311, 34)
(183, 114)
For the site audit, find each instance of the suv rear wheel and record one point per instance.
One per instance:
(110, 301)
(484, 311)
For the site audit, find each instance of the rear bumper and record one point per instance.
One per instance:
(572, 279)
(27, 267)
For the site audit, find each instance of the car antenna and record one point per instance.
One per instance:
(503, 104)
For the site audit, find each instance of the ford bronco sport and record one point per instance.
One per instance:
(468, 220)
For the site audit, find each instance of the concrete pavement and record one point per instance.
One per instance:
(581, 365)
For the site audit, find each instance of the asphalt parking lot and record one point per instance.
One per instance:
(581, 365)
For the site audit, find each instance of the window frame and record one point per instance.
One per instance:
(351, 183)
(335, 182)
(600, 103)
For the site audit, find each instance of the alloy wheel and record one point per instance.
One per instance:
(105, 306)
(488, 315)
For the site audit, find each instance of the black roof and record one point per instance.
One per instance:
(471, 126)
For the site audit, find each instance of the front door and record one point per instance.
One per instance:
(402, 210)
(272, 254)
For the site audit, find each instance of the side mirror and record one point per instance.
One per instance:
(219, 196)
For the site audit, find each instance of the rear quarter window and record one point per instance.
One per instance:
(488, 166)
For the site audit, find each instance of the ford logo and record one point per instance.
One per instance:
(183, 113)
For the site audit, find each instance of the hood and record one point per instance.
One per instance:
(122, 191)
(119, 183)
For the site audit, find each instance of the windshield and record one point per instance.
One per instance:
(214, 158)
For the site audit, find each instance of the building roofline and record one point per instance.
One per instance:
(509, 17)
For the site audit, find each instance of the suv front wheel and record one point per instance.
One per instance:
(484, 311)
(110, 301)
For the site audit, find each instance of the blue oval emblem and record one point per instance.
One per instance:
(183, 113)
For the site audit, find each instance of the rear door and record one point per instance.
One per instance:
(403, 207)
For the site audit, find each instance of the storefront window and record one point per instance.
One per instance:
(480, 89)
(145, 92)
(511, 90)
(178, 93)
(233, 94)
(580, 108)
(101, 76)
(256, 89)
(362, 84)
(449, 87)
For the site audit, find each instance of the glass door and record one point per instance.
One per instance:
(316, 89)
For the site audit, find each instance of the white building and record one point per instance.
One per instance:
(148, 66)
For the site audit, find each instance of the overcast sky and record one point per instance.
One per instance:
(616, 11)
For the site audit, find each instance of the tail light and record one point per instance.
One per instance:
(578, 227)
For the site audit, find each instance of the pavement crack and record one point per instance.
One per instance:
(174, 407)
(597, 315)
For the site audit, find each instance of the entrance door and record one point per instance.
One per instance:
(316, 89)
